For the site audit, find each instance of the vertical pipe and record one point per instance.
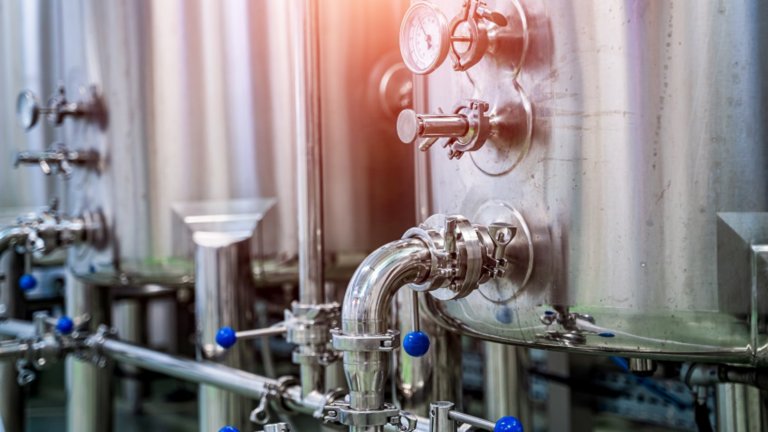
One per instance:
(505, 382)
(224, 288)
(433, 377)
(89, 387)
(129, 317)
(739, 408)
(11, 395)
(309, 168)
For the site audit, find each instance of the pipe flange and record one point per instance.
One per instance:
(386, 342)
(457, 256)
(476, 112)
(437, 277)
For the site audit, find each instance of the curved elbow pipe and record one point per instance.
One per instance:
(377, 279)
(366, 308)
(12, 235)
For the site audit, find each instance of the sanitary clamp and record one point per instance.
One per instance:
(341, 413)
(386, 342)
(60, 157)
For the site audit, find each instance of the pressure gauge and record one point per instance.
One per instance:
(424, 39)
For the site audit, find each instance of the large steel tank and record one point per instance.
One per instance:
(199, 106)
(648, 123)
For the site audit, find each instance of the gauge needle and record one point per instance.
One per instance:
(429, 38)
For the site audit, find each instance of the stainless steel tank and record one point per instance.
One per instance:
(198, 99)
(627, 128)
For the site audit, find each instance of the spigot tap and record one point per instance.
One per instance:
(58, 157)
(467, 128)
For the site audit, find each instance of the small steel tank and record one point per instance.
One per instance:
(621, 133)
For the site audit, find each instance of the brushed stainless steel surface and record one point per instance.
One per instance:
(649, 119)
(200, 106)
(365, 311)
(243, 383)
(12, 400)
(89, 387)
(223, 286)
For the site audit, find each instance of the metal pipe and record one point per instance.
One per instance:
(17, 329)
(12, 400)
(203, 372)
(223, 296)
(309, 153)
(262, 332)
(89, 387)
(309, 171)
(10, 351)
(365, 309)
(473, 421)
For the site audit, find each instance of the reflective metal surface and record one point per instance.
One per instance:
(12, 403)
(89, 387)
(648, 121)
(224, 284)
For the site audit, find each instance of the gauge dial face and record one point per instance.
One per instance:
(424, 38)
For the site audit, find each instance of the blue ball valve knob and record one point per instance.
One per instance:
(27, 282)
(416, 344)
(508, 424)
(65, 325)
(226, 338)
(229, 428)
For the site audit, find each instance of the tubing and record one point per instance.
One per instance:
(202, 372)
(365, 310)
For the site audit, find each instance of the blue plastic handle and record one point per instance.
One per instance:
(226, 337)
(508, 424)
(416, 344)
(65, 325)
(27, 282)
(229, 429)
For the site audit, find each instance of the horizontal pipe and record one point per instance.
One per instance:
(269, 331)
(202, 372)
(473, 421)
(14, 350)
(17, 328)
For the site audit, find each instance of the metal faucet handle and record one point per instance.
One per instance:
(60, 157)
(58, 107)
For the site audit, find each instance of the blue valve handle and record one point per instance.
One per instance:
(508, 424)
(65, 325)
(416, 344)
(229, 429)
(27, 282)
(226, 338)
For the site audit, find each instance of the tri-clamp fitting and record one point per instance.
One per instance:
(42, 233)
(462, 255)
(58, 159)
(466, 129)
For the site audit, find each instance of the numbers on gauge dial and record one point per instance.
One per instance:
(424, 38)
